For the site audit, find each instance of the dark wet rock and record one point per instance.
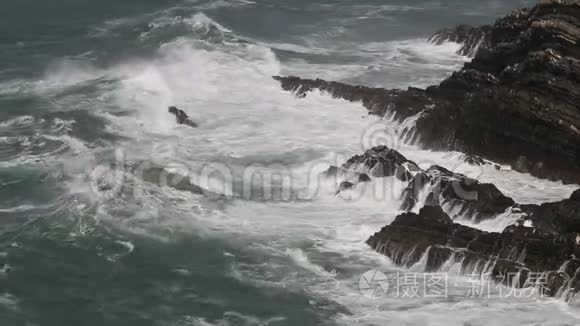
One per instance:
(378, 162)
(404, 243)
(363, 177)
(561, 217)
(346, 179)
(517, 102)
(512, 257)
(181, 117)
(471, 38)
(575, 196)
(345, 185)
(382, 162)
(379, 101)
(441, 185)
(473, 160)
(483, 200)
(478, 161)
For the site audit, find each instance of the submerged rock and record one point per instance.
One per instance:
(517, 102)
(166, 176)
(161, 176)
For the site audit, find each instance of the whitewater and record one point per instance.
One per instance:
(86, 238)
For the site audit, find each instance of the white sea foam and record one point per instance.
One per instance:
(385, 64)
(246, 118)
(17, 209)
(9, 301)
(301, 259)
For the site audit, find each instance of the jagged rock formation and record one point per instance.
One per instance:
(471, 38)
(514, 257)
(439, 185)
(379, 101)
(517, 102)
(548, 245)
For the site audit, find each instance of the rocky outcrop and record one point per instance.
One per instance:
(539, 250)
(471, 38)
(517, 102)
(561, 217)
(379, 101)
(181, 117)
(519, 256)
(439, 185)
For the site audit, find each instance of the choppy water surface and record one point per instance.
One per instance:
(89, 237)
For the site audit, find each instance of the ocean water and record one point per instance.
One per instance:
(93, 233)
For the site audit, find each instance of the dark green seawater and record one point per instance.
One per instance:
(91, 231)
